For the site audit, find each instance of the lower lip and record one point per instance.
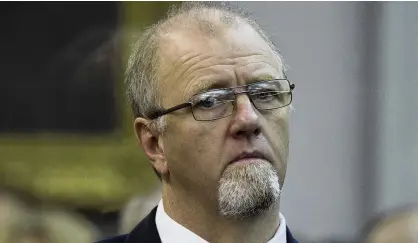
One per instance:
(249, 161)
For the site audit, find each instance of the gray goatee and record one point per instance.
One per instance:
(246, 190)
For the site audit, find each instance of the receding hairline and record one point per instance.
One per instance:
(219, 29)
(207, 19)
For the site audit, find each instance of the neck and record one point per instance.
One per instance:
(203, 219)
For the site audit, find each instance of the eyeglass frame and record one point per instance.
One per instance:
(162, 112)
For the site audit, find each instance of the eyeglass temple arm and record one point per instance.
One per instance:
(159, 113)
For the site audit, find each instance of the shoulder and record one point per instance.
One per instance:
(116, 239)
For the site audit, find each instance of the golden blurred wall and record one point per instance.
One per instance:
(94, 171)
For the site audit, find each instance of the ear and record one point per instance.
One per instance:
(150, 141)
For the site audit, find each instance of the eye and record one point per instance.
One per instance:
(212, 99)
(207, 103)
(265, 95)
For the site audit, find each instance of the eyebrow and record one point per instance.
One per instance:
(208, 85)
(262, 78)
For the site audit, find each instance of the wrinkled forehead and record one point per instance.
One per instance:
(187, 49)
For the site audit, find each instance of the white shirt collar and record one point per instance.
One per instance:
(172, 232)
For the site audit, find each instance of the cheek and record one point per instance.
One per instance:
(277, 135)
(193, 149)
(209, 138)
(277, 130)
(208, 143)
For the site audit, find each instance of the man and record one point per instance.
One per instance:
(211, 102)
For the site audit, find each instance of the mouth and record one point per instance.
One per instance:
(249, 157)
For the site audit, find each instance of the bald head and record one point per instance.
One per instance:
(207, 20)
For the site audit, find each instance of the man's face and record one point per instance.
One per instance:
(199, 154)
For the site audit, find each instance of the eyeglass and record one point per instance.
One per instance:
(219, 103)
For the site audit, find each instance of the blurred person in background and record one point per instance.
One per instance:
(13, 213)
(136, 209)
(25, 222)
(398, 226)
(64, 226)
(211, 102)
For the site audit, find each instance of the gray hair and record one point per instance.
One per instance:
(141, 75)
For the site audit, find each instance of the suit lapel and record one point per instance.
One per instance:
(146, 231)
(289, 237)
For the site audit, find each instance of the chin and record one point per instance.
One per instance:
(248, 191)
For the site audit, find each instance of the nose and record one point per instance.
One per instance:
(246, 120)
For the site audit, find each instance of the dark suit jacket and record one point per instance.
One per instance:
(146, 232)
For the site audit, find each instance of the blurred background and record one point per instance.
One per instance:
(69, 158)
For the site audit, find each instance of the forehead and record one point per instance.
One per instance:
(240, 39)
(189, 59)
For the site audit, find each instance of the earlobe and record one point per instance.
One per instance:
(150, 142)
